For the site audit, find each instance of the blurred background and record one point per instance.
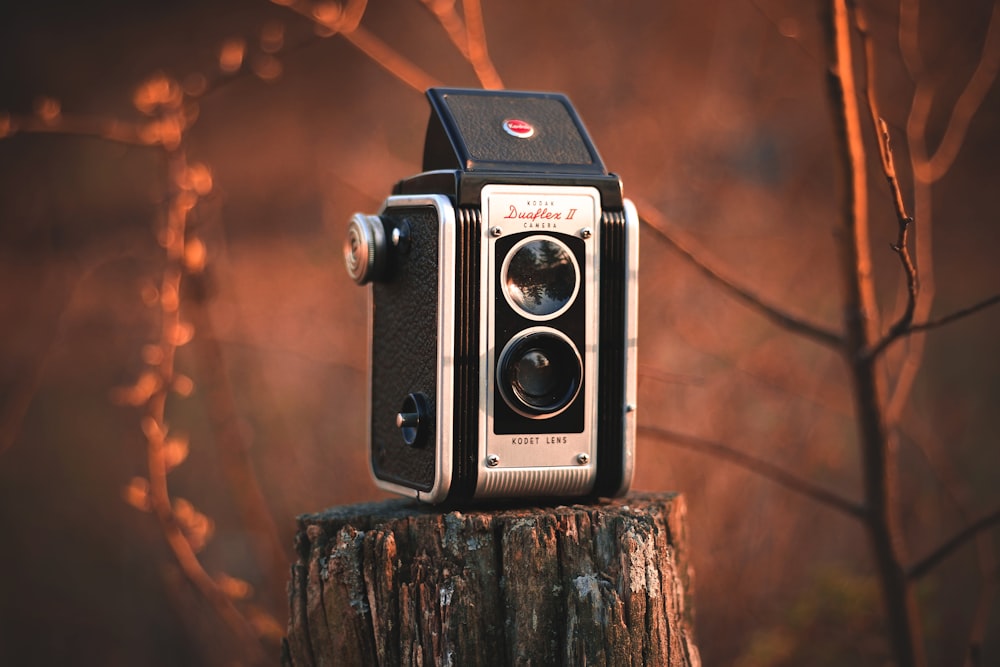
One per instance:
(714, 114)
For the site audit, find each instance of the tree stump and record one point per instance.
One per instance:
(395, 583)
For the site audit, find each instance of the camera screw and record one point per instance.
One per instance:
(583, 458)
(586, 232)
(493, 460)
(496, 231)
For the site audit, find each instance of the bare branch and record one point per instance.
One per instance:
(352, 11)
(928, 562)
(763, 468)
(957, 315)
(387, 57)
(479, 57)
(84, 126)
(656, 222)
(968, 102)
(860, 325)
(468, 36)
(175, 333)
(927, 170)
(454, 26)
(391, 60)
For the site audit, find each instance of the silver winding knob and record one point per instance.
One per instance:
(365, 248)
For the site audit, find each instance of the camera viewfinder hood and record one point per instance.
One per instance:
(475, 137)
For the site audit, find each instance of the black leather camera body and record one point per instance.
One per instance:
(503, 296)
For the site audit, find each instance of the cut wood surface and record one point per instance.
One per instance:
(396, 583)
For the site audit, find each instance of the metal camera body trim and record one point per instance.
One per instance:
(435, 349)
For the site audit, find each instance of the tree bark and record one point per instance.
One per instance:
(393, 583)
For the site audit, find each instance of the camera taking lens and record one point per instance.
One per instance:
(540, 373)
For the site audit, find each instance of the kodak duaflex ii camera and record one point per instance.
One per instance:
(503, 288)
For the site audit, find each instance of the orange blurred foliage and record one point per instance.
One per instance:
(136, 494)
(182, 385)
(272, 37)
(198, 528)
(231, 55)
(152, 354)
(713, 112)
(267, 67)
(180, 334)
(194, 255)
(237, 589)
(156, 92)
(196, 177)
(48, 109)
(138, 393)
(327, 13)
(175, 451)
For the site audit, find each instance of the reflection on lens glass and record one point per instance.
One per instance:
(541, 277)
(540, 373)
(533, 375)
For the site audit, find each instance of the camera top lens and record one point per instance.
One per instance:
(540, 277)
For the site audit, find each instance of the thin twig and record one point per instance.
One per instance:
(78, 125)
(903, 220)
(928, 562)
(934, 324)
(957, 315)
(881, 128)
(656, 222)
(902, 249)
(763, 468)
(923, 210)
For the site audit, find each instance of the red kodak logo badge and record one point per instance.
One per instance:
(516, 127)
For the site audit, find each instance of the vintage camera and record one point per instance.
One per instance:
(503, 288)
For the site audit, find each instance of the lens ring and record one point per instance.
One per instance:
(540, 277)
(539, 373)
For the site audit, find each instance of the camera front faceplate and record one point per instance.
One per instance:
(540, 266)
